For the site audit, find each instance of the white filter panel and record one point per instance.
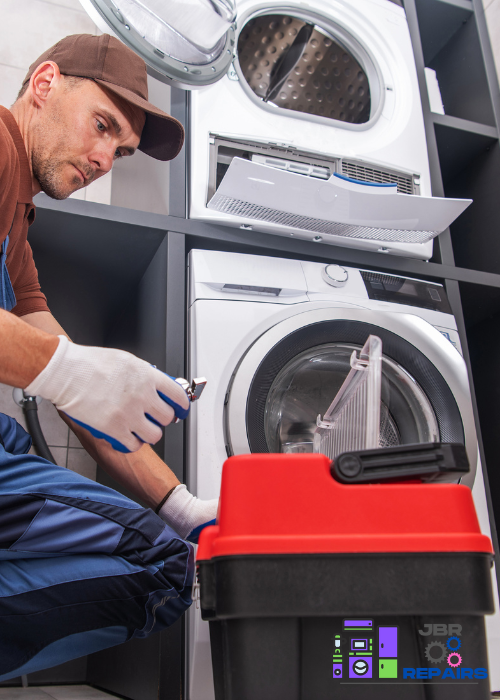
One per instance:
(337, 207)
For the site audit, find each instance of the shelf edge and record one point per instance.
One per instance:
(465, 125)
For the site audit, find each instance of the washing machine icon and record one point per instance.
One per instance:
(360, 667)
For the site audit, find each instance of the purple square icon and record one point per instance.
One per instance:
(337, 670)
(360, 667)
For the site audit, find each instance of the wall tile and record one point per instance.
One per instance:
(8, 406)
(73, 440)
(100, 190)
(82, 463)
(55, 430)
(60, 454)
(70, 4)
(10, 84)
(493, 20)
(22, 41)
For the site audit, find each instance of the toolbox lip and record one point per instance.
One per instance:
(343, 544)
(341, 555)
(304, 510)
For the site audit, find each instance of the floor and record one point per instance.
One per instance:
(55, 692)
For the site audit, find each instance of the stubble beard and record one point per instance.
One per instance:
(49, 168)
(49, 173)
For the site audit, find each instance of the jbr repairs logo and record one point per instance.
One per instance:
(370, 653)
(447, 652)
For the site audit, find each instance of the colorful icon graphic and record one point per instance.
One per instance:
(360, 667)
(359, 644)
(337, 670)
(435, 652)
(358, 624)
(454, 659)
(454, 643)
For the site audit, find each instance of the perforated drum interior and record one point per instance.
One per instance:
(296, 66)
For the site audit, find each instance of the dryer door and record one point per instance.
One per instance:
(292, 373)
(185, 43)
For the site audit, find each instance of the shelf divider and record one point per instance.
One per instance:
(464, 124)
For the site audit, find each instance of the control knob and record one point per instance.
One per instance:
(335, 275)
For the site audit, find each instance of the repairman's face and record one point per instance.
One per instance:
(79, 133)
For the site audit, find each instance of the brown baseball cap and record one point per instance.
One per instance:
(116, 67)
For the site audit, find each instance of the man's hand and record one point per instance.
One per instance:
(111, 393)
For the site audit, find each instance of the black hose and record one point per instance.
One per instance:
(30, 409)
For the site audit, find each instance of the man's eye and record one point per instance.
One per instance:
(100, 126)
(118, 154)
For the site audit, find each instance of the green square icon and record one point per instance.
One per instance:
(388, 668)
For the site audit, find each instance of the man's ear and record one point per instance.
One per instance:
(45, 79)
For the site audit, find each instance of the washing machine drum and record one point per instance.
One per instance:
(301, 375)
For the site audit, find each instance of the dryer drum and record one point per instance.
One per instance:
(294, 65)
(436, 416)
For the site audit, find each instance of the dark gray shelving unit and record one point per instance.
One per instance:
(116, 277)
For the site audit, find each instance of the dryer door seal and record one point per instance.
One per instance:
(173, 54)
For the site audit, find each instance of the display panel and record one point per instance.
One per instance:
(402, 290)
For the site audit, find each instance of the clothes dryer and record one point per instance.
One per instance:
(348, 102)
(301, 116)
(274, 337)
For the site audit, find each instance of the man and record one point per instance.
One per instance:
(82, 567)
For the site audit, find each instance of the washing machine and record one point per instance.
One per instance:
(274, 338)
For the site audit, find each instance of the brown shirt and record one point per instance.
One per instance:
(17, 210)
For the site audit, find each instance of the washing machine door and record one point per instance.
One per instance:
(185, 43)
(292, 373)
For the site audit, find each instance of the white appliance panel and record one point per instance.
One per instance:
(393, 138)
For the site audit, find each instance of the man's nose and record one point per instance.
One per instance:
(103, 158)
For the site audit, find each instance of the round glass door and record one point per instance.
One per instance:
(306, 386)
(187, 43)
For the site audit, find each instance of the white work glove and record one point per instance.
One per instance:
(111, 393)
(187, 514)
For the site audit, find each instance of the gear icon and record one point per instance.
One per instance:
(450, 656)
(457, 645)
(435, 659)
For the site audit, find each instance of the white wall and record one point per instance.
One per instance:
(30, 27)
(492, 13)
(27, 29)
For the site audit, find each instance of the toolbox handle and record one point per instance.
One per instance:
(433, 461)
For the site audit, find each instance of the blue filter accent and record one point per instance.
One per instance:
(364, 182)
(118, 446)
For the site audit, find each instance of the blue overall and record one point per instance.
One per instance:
(7, 296)
(82, 567)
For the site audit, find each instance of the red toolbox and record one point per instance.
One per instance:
(318, 590)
